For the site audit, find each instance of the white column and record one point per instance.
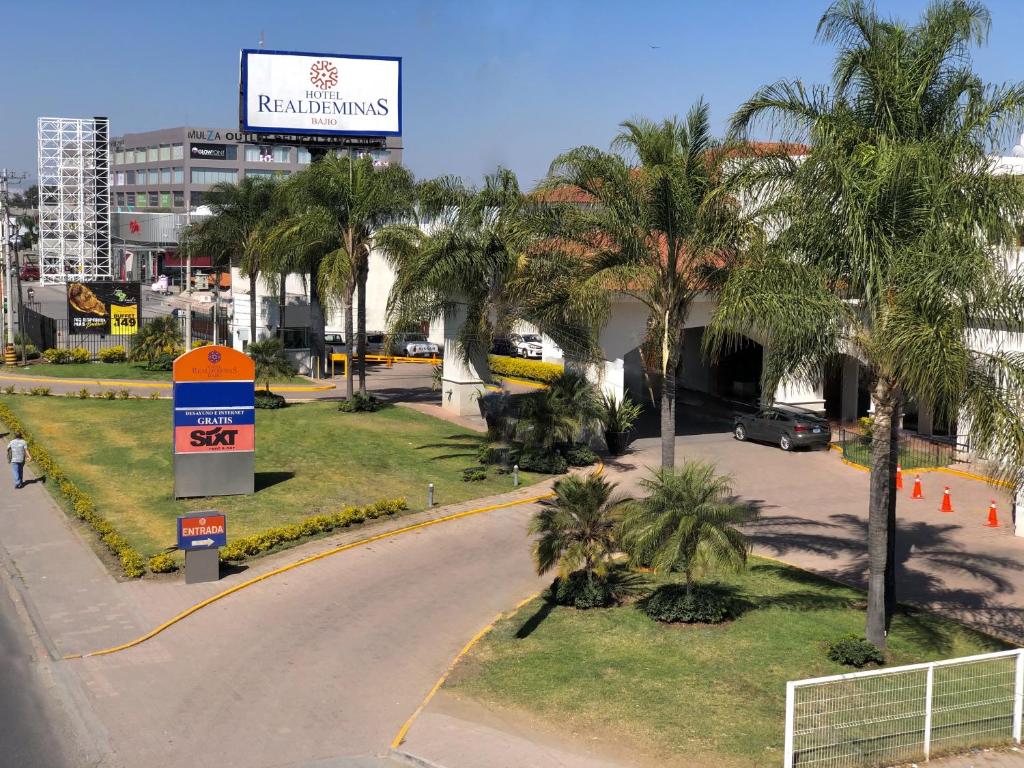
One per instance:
(851, 376)
(801, 393)
(461, 381)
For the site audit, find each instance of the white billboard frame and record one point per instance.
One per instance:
(288, 130)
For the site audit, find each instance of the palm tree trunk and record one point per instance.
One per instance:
(282, 298)
(316, 322)
(362, 327)
(252, 307)
(670, 361)
(882, 512)
(350, 346)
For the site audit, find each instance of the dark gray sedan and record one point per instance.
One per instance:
(785, 426)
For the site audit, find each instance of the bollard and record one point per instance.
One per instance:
(515, 475)
(430, 495)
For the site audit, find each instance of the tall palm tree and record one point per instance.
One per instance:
(686, 522)
(577, 530)
(653, 221)
(891, 232)
(337, 207)
(237, 232)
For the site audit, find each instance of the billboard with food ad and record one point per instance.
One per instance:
(107, 308)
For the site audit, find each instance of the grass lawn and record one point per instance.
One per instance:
(687, 695)
(94, 371)
(910, 458)
(309, 457)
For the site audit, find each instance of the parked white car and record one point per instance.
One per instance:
(527, 345)
(414, 345)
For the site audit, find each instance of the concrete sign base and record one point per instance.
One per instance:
(202, 565)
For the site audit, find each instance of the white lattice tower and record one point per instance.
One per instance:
(74, 199)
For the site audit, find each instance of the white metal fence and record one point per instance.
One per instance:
(904, 714)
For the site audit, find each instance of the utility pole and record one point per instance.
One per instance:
(6, 178)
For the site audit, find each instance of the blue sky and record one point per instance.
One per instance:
(485, 83)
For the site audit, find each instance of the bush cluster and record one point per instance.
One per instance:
(706, 604)
(247, 546)
(27, 350)
(360, 402)
(269, 400)
(552, 463)
(854, 651)
(162, 563)
(582, 591)
(132, 563)
(116, 354)
(197, 343)
(474, 474)
(40, 391)
(517, 368)
(579, 455)
(64, 356)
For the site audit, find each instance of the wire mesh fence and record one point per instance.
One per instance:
(904, 714)
(914, 450)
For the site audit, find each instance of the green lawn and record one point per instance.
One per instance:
(687, 695)
(118, 371)
(859, 452)
(309, 457)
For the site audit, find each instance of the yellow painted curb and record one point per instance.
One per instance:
(133, 384)
(922, 470)
(400, 737)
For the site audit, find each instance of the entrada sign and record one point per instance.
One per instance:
(208, 531)
(214, 422)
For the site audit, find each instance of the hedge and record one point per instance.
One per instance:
(535, 370)
(247, 546)
(132, 563)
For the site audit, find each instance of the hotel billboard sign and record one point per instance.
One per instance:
(319, 94)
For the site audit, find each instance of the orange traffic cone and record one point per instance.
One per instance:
(916, 493)
(947, 504)
(993, 518)
(899, 478)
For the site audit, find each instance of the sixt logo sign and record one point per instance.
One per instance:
(213, 438)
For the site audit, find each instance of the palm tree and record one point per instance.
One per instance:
(545, 420)
(160, 337)
(686, 523)
(237, 231)
(577, 530)
(890, 233)
(654, 223)
(270, 361)
(337, 208)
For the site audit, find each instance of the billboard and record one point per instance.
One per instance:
(326, 94)
(107, 308)
(214, 437)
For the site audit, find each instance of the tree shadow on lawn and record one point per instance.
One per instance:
(459, 447)
(264, 480)
(930, 565)
(531, 624)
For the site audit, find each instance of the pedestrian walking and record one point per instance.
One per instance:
(17, 455)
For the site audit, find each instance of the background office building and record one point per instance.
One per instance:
(171, 169)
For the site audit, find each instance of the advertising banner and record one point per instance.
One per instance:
(107, 308)
(214, 425)
(320, 94)
(208, 152)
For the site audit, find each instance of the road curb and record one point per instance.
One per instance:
(415, 760)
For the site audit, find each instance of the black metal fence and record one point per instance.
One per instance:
(46, 332)
(915, 451)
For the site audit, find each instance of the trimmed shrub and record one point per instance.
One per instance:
(706, 604)
(9, 389)
(116, 354)
(109, 395)
(197, 343)
(27, 351)
(517, 368)
(583, 591)
(154, 395)
(360, 402)
(40, 391)
(269, 400)
(80, 355)
(247, 546)
(474, 474)
(854, 651)
(57, 356)
(163, 362)
(545, 463)
(162, 563)
(83, 394)
(579, 456)
(123, 394)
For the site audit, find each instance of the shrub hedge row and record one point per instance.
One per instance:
(132, 563)
(62, 356)
(247, 546)
(534, 370)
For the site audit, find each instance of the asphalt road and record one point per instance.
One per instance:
(33, 727)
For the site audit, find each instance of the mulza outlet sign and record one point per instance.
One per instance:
(214, 439)
(323, 94)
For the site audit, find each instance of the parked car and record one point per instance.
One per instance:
(335, 343)
(527, 345)
(788, 427)
(29, 271)
(502, 345)
(414, 345)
